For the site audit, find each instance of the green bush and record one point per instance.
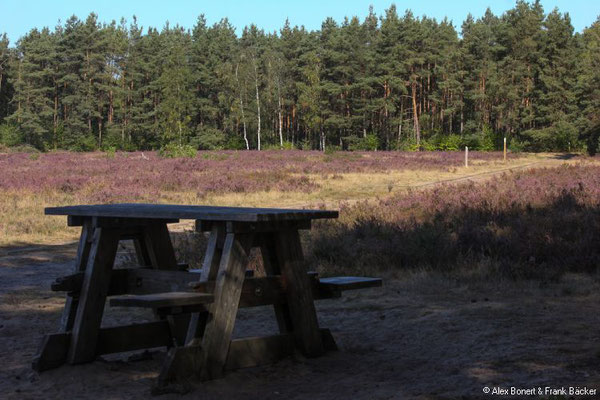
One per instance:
(408, 144)
(479, 139)
(84, 143)
(208, 138)
(24, 148)
(235, 143)
(472, 141)
(174, 150)
(10, 135)
(428, 145)
(565, 136)
(332, 149)
(450, 142)
(110, 152)
(517, 146)
(277, 146)
(368, 143)
(306, 145)
(560, 137)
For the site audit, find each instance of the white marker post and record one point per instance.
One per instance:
(466, 156)
(505, 149)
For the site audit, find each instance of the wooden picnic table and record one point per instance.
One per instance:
(195, 312)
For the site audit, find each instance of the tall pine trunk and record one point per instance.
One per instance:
(413, 87)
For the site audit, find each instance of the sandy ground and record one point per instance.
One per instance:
(422, 337)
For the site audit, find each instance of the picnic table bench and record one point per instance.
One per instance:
(195, 310)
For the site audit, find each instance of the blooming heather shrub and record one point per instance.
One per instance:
(144, 176)
(535, 224)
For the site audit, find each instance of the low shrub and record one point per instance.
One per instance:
(174, 150)
(537, 224)
(208, 138)
(369, 142)
(10, 135)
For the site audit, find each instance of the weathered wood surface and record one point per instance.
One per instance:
(182, 362)
(256, 351)
(158, 300)
(258, 291)
(271, 266)
(54, 348)
(209, 213)
(223, 312)
(209, 272)
(83, 251)
(350, 282)
(159, 246)
(116, 222)
(297, 287)
(93, 295)
(255, 227)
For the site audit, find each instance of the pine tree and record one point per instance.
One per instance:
(6, 90)
(34, 87)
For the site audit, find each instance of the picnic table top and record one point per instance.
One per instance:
(209, 213)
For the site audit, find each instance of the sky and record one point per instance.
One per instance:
(17, 17)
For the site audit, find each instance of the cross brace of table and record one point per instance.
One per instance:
(200, 342)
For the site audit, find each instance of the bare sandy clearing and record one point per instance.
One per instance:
(419, 337)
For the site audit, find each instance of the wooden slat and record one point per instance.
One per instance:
(54, 348)
(139, 281)
(271, 266)
(117, 222)
(83, 251)
(208, 213)
(209, 272)
(251, 352)
(299, 293)
(228, 289)
(133, 337)
(141, 251)
(181, 362)
(93, 295)
(160, 248)
(350, 282)
(246, 352)
(271, 226)
(255, 351)
(158, 300)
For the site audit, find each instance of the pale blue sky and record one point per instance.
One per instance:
(17, 17)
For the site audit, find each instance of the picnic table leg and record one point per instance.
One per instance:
(83, 251)
(93, 295)
(157, 243)
(210, 269)
(269, 255)
(208, 359)
(141, 251)
(299, 294)
(223, 312)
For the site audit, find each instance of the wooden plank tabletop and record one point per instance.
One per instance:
(209, 213)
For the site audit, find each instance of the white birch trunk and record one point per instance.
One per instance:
(242, 107)
(257, 102)
(280, 114)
